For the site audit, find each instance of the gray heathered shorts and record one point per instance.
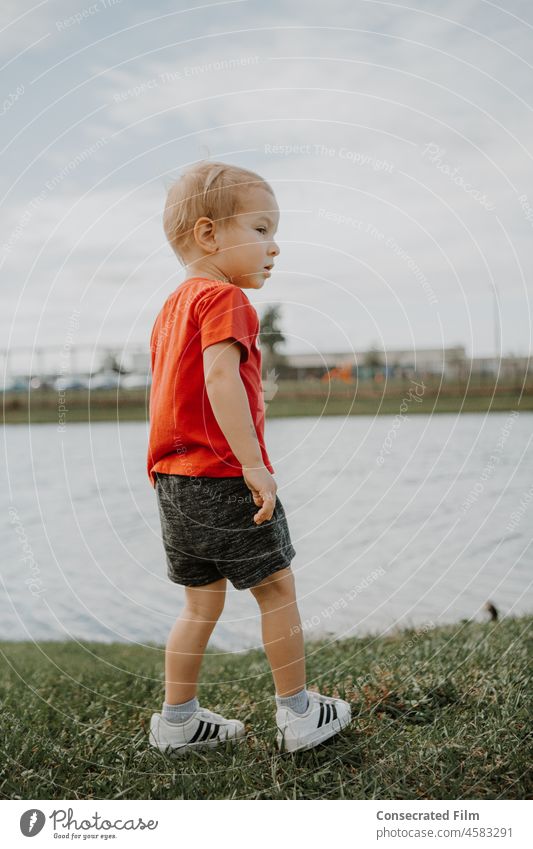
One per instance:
(209, 533)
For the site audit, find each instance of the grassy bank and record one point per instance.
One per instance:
(291, 398)
(441, 713)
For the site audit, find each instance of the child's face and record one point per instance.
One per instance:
(246, 245)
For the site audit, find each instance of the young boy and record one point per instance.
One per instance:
(220, 516)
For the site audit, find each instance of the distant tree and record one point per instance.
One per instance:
(271, 336)
(110, 363)
(373, 358)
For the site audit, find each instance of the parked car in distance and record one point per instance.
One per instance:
(15, 384)
(70, 383)
(135, 381)
(104, 380)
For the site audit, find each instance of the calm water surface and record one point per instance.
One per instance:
(407, 523)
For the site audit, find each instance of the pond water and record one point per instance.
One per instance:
(396, 522)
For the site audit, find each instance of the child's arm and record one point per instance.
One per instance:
(231, 409)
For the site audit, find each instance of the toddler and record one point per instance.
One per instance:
(220, 516)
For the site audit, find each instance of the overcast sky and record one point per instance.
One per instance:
(398, 139)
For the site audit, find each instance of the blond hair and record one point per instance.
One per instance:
(210, 189)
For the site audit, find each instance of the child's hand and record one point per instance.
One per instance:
(263, 488)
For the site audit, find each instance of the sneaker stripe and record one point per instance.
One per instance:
(334, 710)
(321, 717)
(214, 733)
(197, 732)
(327, 714)
(206, 733)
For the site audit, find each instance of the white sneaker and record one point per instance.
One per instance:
(204, 729)
(323, 718)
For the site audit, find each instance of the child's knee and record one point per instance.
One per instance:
(203, 603)
(278, 587)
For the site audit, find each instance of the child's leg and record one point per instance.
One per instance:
(282, 631)
(188, 640)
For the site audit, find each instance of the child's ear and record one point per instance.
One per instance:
(204, 235)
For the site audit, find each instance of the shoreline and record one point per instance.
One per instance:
(394, 633)
(291, 400)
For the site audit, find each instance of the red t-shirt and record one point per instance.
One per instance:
(185, 438)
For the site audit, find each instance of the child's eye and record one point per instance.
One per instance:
(261, 229)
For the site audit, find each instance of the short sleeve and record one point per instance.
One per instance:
(226, 313)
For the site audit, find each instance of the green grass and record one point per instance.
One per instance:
(438, 714)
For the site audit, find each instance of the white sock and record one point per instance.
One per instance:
(298, 702)
(181, 712)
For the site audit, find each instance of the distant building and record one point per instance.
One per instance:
(401, 363)
(451, 363)
(508, 367)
